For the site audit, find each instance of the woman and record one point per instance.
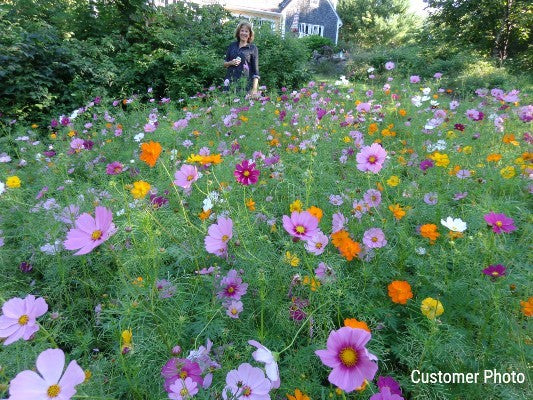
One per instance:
(242, 58)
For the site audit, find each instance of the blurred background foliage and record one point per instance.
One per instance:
(54, 54)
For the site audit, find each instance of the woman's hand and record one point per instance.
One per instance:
(236, 61)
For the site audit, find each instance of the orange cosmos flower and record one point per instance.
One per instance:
(527, 307)
(150, 152)
(346, 245)
(353, 323)
(494, 157)
(372, 128)
(402, 112)
(397, 211)
(400, 292)
(250, 203)
(298, 395)
(315, 212)
(204, 215)
(429, 231)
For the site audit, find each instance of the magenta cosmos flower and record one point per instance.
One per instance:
(186, 176)
(232, 286)
(218, 236)
(90, 232)
(301, 225)
(245, 173)
(181, 368)
(246, 383)
(114, 168)
(347, 355)
(495, 271)
(500, 222)
(49, 384)
(18, 319)
(371, 158)
(374, 238)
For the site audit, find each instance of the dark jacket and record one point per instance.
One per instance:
(249, 66)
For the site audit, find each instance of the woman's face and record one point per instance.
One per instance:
(244, 34)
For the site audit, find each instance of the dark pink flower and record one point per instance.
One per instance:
(181, 368)
(232, 286)
(500, 222)
(114, 168)
(245, 173)
(495, 271)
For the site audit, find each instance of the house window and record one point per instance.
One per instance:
(310, 29)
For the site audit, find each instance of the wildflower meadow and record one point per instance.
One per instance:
(337, 241)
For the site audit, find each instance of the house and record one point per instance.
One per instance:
(296, 17)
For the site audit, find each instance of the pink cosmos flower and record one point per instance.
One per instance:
(90, 232)
(374, 238)
(114, 168)
(232, 286)
(18, 319)
(414, 79)
(181, 368)
(183, 389)
(363, 107)
(386, 394)
(301, 225)
(372, 198)
(245, 173)
(180, 124)
(347, 355)
(218, 236)
(389, 65)
(338, 222)
(317, 244)
(500, 222)
(233, 309)
(77, 145)
(49, 384)
(246, 383)
(371, 158)
(186, 176)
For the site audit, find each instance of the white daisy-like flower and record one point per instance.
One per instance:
(454, 224)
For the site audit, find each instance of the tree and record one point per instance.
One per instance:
(368, 23)
(498, 28)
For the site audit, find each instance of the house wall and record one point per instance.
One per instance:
(316, 12)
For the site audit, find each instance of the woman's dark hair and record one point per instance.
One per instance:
(247, 25)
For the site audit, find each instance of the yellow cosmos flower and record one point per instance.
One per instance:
(292, 259)
(441, 159)
(13, 182)
(140, 189)
(431, 308)
(393, 181)
(296, 205)
(508, 172)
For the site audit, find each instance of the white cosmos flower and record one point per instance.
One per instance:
(454, 224)
(264, 355)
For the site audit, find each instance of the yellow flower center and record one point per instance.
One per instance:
(234, 311)
(247, 391)
(231, 289)
(374, 239)
(495, 273)
(190, 178)
(97, 234)
(23, 320)
(318, 245)
(225, 238)
(53, 391)
(499, 224)
(372, 159)
(300, 229)
(246, 173)
(183, 374)
(184, 392)
(348, 356)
